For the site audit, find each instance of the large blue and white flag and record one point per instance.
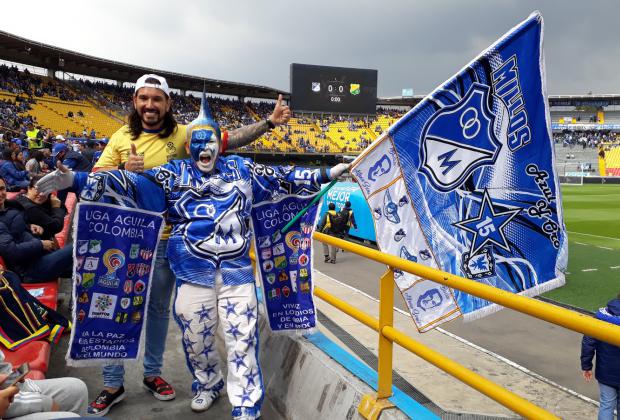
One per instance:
(465, 183)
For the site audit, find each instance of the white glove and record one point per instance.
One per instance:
(339, 169)
(60, 179)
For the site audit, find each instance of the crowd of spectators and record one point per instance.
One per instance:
(584, 139)
(31, 86)
(230, 112)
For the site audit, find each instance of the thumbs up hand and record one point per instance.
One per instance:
(281, 113)
(135, 162)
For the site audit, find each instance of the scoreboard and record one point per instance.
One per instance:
(336, 90)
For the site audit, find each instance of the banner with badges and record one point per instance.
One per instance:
(465, 183)
(284, 262)
(113, 252)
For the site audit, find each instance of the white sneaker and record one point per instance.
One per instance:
(246, 415)
(203, 400)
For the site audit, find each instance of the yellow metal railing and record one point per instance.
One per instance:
(372, 405)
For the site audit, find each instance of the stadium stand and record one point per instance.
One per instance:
(612, 161)
(75, 107)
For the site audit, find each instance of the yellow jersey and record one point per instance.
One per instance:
(156, 150)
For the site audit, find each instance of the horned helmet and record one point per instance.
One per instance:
(205, 138)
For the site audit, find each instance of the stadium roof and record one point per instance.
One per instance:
(24, 51)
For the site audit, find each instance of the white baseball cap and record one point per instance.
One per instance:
(154, 81)
(59, 138)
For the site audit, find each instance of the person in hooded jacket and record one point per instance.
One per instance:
(607, 371)
(33, 259)
(44, 210)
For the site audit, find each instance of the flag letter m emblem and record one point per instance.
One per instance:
(457, 139)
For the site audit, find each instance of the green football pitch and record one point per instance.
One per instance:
(592, 218)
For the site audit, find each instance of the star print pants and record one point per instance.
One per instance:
(198, 309)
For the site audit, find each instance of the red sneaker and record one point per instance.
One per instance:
(160, 389)
(104, 401)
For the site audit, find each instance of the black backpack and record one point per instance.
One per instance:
(338, 221)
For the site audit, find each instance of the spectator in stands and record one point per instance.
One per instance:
(34, 141)
(33, 259)
(87, 149)
(45, 399)
(7, 396)
(16, 145)
(71, 159)
(99, 146)
(48, 160)
(48, 139)
(14, 178)
(42, 210)
(74, 145)
(607, 363)
(33, 166)
(19, 160)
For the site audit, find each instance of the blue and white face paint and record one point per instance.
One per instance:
(204, 138)
(204, 147)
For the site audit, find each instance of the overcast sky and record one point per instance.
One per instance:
(416, 44)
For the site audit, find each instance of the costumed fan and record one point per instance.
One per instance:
(209, 200)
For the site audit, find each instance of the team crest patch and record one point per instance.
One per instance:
(82, 246)
(458, 139)
(146, 254)
(94, 246)
(264, 241)
(93, 190)
(479, 265)
(265, 253)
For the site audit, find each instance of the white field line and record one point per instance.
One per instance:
(479, 348)
(605, 247)
(598, 195)
(581, 243)
(615, 267)
(594, 236)
(585, 270)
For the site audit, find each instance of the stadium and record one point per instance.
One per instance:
(521, 362)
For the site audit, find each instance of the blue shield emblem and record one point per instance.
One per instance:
(458, 139)
(217, 230)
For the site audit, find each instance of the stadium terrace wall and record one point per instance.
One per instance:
(590, 179)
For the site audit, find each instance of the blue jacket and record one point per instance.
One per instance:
(607, 356)
(18, 246)
(210, 214)
(77, 162)
(11, 175)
